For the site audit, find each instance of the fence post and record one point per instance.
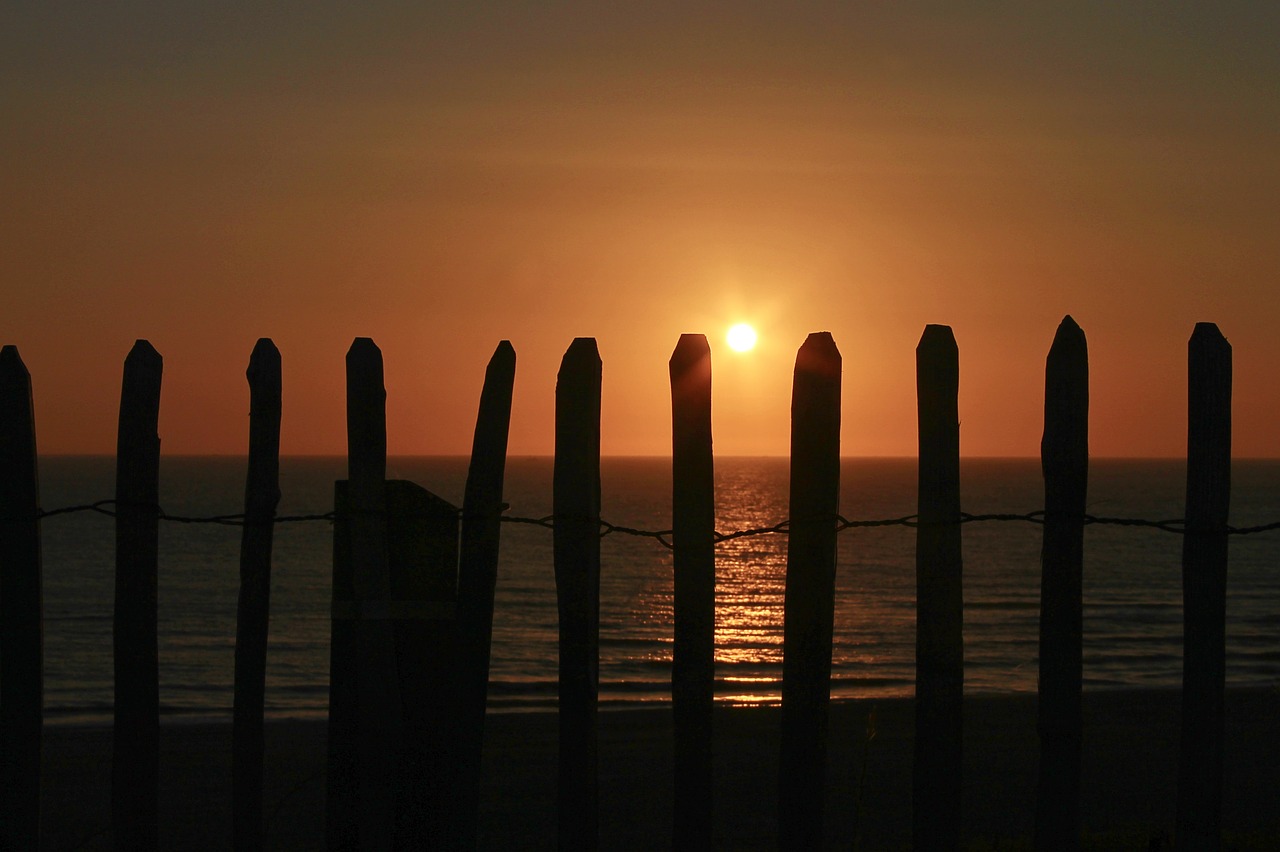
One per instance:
(576, 545)
(136, 730)
(810, 592)
(262, 494)
(693, 537)
(477, 576)
(1064, 457)
(939, 597)
(21, 626)
(1204, 589)
(368, 735)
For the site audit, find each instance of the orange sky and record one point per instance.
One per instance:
(441, 179)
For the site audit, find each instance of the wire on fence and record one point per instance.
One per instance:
(1176, 526)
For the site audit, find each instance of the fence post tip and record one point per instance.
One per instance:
(936, 336)
(1208, 333)
(142, 350)
(690, 348)
(11, 362)
(818, 355)
(582, 350)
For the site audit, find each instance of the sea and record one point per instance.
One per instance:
(1132, 582)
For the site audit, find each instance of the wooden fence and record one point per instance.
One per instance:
(401, 734)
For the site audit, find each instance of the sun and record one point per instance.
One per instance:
(741, 337)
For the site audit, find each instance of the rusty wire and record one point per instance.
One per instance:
(1176, 526)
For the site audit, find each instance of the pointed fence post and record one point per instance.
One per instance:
(365, 713)
(810, 592)
(1204, 590)
(21, 624)
(1064, 455)
(135, 761)
(482, 508)
(576, 545)
(693, 538)
(262, 495)
(939, 597)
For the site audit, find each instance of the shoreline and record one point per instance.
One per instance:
(1129, 775)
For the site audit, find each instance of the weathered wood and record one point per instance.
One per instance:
(482, 508)
(1204, 590)
(21, 610)
(136, 732)
(810, 592)
(693, 538)
(1064, 456)
(576, 546)
(939, 598)
(374, 727)
(261, 496)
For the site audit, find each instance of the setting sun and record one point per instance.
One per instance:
(741, 337)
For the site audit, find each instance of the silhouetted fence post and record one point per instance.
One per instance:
(482, 508)
(262, 494)
(21, 605)
(693, 537)
(939, 597)
(136, 731)
(364, 717)
(576, 544)
(810, 592)
(1064, 456)
(1204, 590)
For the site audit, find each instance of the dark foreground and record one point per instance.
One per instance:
(1129, 782)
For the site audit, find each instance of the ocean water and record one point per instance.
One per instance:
(1132, 582)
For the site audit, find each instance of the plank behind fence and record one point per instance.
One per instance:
(576, 546)
(1064, 454)
(136, 729)
(422, 539)
(1204, 589)
(693, 538)
(482, 508)
(810, 592)
(262, 494)
(21, 604)
(939, 597)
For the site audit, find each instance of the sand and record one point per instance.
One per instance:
(1129, 777)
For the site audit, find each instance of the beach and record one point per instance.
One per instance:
(1128, 785)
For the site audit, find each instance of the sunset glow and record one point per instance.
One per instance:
(741, 337)
(440, 177)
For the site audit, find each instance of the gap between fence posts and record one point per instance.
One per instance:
(135, 761)
(936, 770)
(810, 592)
(1064, 458)
(364, 742)
(477, 577)
(261, 496)
(21, 606)
(694, 591)
(576, 546)
(1204, 589)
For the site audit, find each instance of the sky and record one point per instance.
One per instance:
(440, 177)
